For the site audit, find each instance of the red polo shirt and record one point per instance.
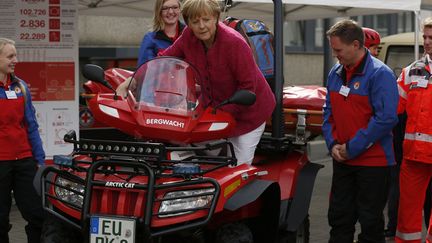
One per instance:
(14, 142)
(351, 70)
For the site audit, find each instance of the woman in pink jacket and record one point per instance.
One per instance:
(225, 63)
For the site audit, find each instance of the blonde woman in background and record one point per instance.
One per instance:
(20, 148)
(166, 29)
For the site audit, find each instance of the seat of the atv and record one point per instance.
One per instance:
(302, 107)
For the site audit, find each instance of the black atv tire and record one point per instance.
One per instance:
(301, 235)
(56, 231)
(234, 233)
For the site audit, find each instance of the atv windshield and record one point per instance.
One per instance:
(168, 83)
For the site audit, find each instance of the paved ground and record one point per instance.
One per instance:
(17, 233)
(318, 212)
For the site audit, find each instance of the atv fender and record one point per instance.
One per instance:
(247, 194)
(299, 206)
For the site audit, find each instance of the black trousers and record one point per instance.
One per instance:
(17, 176)
(393, 198)
(358, 193)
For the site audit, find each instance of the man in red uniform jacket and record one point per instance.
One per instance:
(359, 115)
(415, 97)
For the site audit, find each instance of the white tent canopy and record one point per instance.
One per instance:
(121, 8)
(314, 9)
(402, 5)
(294, 9)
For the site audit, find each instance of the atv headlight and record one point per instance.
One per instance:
(184, 200)
(69, 191)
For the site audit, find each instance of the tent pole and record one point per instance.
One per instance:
(417, 32)
(278, 121)
(328, 58)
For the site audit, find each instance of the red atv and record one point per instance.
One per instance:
(171, 184)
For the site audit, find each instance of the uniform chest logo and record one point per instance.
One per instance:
(17, 90)
(357, 85)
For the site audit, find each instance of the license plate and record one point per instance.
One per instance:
(112, 230)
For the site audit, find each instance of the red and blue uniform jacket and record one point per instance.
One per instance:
(19, 134)
(155, 42)
(363, 119)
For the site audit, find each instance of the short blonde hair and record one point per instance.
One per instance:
(5, 41)
(158, 23)
(195, 8)
(427, 23)
(348, 31)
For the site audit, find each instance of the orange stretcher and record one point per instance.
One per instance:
(303, 110)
